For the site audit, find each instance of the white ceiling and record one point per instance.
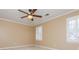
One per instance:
(14, 15)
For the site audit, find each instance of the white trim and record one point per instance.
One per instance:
(12, 21)
(46, 47)
(28, 45)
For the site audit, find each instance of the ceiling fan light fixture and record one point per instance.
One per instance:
(30, 16)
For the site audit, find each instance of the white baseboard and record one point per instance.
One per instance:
(46, 47)
(28, 45)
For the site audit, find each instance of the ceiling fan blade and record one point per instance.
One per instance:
(37, 16)
(24, 16)
(33, 11)
(22, 11)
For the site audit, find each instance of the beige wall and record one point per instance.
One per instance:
(54, 33)
(13, 34)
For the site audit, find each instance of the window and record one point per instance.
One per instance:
(39, 33)
(73, 29)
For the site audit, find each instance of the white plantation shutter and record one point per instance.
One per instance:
(73, 29)
(39, 33)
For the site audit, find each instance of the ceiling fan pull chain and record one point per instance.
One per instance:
(32, 19)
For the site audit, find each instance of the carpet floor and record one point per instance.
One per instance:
(26, 48)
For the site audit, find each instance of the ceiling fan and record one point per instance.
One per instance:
(31, 14)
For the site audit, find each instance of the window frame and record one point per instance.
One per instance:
(67, 29)
(41, 34)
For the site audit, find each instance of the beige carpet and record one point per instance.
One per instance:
(27, 48)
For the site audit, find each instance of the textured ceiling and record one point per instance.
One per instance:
(14, 15)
